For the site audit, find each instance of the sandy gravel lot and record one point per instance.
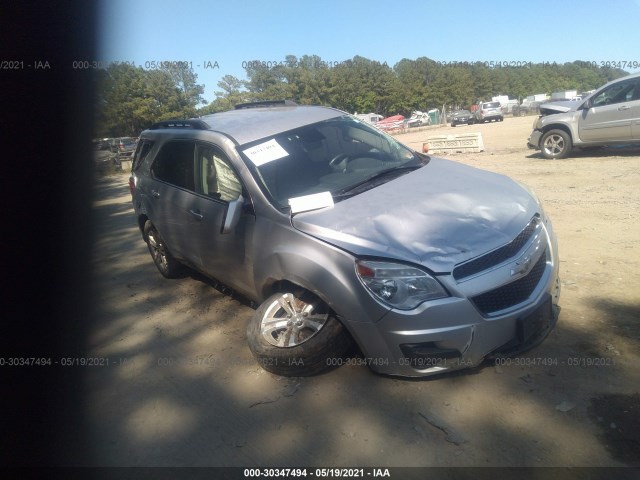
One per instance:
(182, 389)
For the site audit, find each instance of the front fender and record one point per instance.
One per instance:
(328, 272)
(562, 121)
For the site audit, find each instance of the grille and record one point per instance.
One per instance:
(513, 293)
(497, 256)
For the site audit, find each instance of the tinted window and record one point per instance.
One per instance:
(141, 153)
(175, 164)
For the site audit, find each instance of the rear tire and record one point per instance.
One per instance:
(168, 266)
(297, 335)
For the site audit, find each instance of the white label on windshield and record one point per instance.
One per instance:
(265, 152)
(311, 202)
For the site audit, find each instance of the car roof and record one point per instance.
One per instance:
(246, 125)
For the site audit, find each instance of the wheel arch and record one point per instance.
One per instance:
(327, 273)
(556, 126)
(142, 219)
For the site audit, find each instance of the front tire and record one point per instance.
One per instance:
(555, 144)
(296, 334)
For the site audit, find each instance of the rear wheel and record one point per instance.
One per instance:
(296, 334)
(168, 266)
(555, 144)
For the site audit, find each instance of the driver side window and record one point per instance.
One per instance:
(618, 93)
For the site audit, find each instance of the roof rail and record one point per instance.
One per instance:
(267, 103)
(193, 123)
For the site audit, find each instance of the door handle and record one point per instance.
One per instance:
(624, 107)
(155, 193)
(196, 214)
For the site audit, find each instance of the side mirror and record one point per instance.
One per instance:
(232, 215)
(586, 105)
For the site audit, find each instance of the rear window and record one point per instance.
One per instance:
(491, 105)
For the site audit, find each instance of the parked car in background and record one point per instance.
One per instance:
(526, 109)
(609, 116)
(488, 111)
(123, 146)
(342, 234)
(419, 119)
(460, 117)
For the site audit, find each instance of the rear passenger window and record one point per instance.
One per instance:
(174, 164)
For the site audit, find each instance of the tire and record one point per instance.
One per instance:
(168, 266)
(296, 334)
(555, 144)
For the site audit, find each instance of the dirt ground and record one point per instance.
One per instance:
(182, 389)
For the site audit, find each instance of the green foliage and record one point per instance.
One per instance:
(131, 99)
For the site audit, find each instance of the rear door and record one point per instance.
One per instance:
(171, 193)
(613, 114)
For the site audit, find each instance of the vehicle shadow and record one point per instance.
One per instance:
(594, 152)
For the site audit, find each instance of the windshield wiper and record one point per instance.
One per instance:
(370, 181)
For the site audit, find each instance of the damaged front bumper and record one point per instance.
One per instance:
(472, 324)
(533, 142)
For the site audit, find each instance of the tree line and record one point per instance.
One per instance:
(131, 98)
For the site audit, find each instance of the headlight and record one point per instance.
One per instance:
(401, 286)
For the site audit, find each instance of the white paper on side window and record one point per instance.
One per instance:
(265, 152)
(311, 202)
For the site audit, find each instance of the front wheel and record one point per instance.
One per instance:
(296, 334)
(555, 144)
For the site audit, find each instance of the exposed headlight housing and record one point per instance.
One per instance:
(398, 285)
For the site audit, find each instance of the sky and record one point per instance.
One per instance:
(217, 37)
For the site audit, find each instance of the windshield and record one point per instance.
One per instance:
(329, 156)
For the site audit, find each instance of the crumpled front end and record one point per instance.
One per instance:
(503, 301)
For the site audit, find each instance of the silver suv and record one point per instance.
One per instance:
(488, 111)
(341, 234)
(611, 115)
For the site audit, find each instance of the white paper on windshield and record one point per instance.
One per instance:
(311, 202)
(265, 152)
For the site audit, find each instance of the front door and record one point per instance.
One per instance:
(226, 257)
(610, 117)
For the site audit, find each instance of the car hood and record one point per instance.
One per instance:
(439, 215)
(558, 107)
